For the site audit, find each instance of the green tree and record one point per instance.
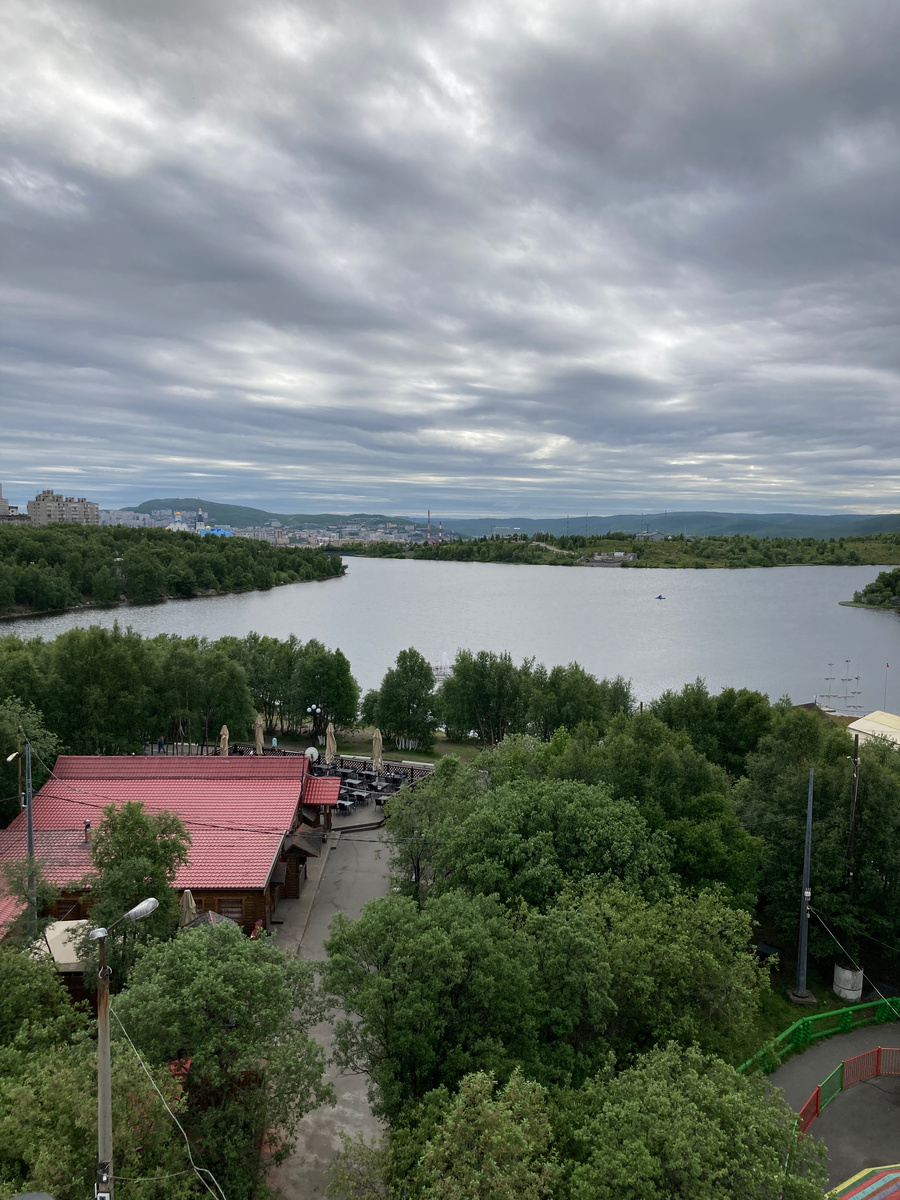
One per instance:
(859, 899)
(682, 969)
(105, 586)
(145, 575)
(136, 854)
(570, 696)
(485, 694)
(404, 707)
(682, 1126)
(16, 715)
(48, 1125)
(683, 794)
(459, 985)
(491, 1146)
(532, 839)
(322, 678)
(723, 728)
(35, 1008)
(240, 1011)
(102, 691)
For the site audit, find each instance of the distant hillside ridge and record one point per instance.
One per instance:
(241, 516)
(699, 524)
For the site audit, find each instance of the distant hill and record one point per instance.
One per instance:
(240, 516)
(700, 524)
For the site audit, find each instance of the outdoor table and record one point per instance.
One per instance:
(360, 796)
(344, 771)
(344, 807)
(353, 783)
(370, 775)
(378, 786)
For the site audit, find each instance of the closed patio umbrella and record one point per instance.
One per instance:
(377, 760)
(187, 909)
(223, 741)
(258, 733)
(330, 743)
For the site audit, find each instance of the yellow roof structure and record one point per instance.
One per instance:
(877, 724)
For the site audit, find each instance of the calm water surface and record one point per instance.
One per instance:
(775, 630)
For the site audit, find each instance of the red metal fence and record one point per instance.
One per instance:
(884, 1060)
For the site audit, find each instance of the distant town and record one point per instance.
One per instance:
(49, 507)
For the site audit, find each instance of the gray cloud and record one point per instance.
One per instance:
(477, 257)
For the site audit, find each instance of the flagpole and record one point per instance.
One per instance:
(884, 706)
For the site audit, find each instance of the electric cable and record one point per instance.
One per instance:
(199, 1171)
(892, 1004)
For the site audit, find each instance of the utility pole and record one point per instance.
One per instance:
(103, 1188)
(29, 826)
(801, 993)
(854, 788)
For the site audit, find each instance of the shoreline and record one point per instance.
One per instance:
(93, 606)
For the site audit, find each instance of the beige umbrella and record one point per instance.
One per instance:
(330, 743)
(187, 909)
(259, 733)
(377, 760)
(223, 741)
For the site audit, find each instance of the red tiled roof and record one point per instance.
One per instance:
(321, 790)
(65, 852)
(167, 766)
(237, 822)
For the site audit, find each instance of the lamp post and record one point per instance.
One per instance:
(29, 827)
(314, 712)
(103, 1188)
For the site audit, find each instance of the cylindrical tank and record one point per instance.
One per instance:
(848, 984)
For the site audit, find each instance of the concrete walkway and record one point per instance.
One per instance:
(861, 1126)
(352, 870)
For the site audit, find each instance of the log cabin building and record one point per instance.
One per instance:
(249, 843)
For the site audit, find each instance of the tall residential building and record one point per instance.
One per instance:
(9, 513)
(50, 507)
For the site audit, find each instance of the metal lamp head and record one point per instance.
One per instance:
(10, 757)
(144, 909)
(96, 934)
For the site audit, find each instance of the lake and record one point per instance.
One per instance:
(775, 629)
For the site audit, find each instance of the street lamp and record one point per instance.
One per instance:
(103, 1188)
(314, 711)
(29, 826)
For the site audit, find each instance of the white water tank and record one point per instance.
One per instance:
(848, 984)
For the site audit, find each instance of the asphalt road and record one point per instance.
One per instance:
(861, 1126)
(354, 873)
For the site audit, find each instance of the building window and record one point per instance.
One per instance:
(233, 908)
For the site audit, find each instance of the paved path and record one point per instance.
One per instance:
(352, 871)
(861, 1126)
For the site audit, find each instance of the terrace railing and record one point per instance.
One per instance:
(805, 1031)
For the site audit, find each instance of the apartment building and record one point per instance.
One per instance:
(50, 507)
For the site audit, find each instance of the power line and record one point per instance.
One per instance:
(199, 1171)
(892, 1005)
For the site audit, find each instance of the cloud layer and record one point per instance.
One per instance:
(480, 256)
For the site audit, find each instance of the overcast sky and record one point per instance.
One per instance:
(486, 257)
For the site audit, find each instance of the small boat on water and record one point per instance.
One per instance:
(659, 597)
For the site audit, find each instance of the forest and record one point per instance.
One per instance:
(731, 552)
(556, 994)
(52, 567)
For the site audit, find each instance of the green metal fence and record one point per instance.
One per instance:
(807, 1029)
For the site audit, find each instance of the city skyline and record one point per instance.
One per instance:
(490, 259)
